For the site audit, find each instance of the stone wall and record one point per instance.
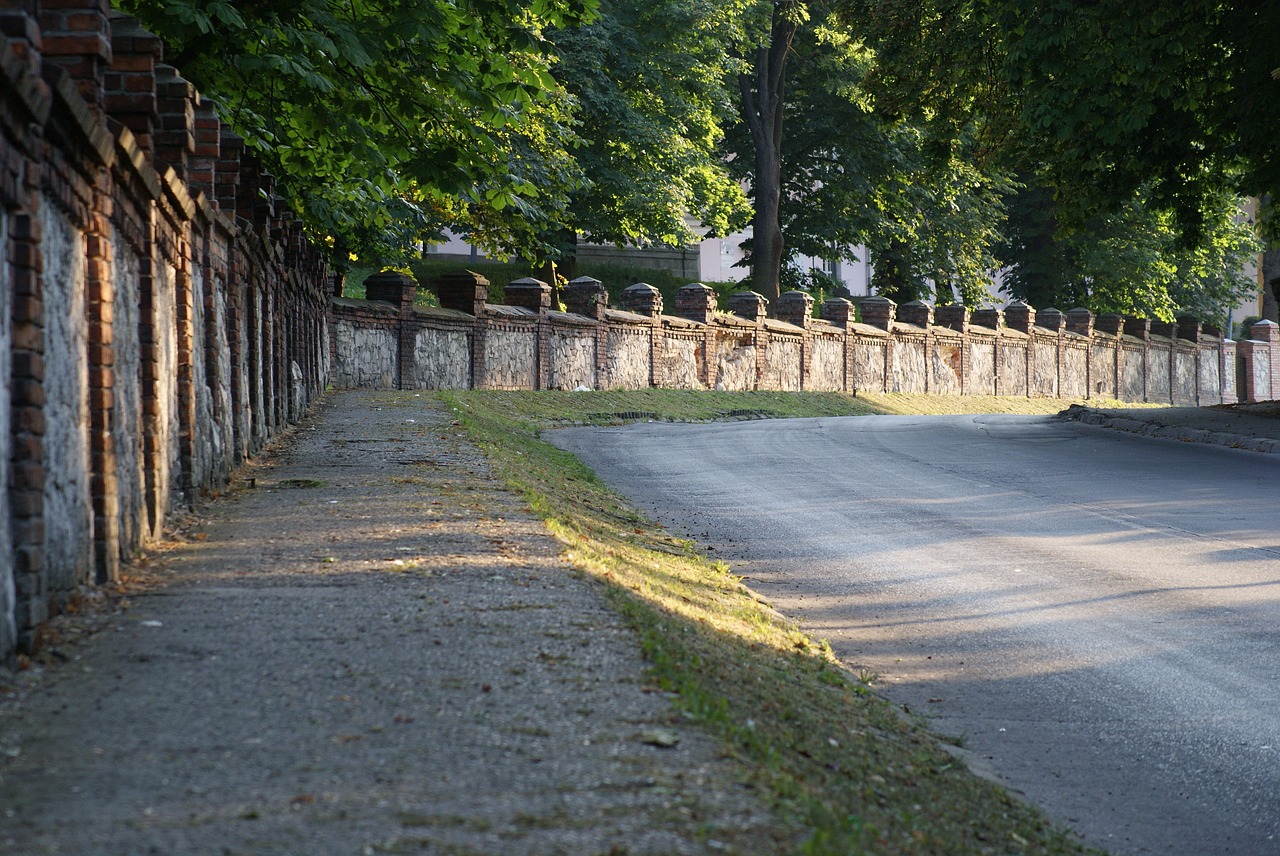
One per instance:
(388, 342)
(163, 317)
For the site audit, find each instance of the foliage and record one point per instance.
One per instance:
(644, 94)
(1123, 122)
(650, 81)
(1132, 261)
(1175, 97)
(379, 117)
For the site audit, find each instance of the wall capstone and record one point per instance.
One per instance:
(749, 305)
(586, 296)
(696, 302)
(529, 293)
(1079, 321)
(838, 311)
(794, 307)
(463, 291)
(916, 312)
(878, 312)
(642, 299)
(1020, 316)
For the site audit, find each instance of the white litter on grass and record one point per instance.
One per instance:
(583, 389)
(152, 623)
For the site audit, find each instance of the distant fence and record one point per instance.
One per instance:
(161, 317)
(386, 342)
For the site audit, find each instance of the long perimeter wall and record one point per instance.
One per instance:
(386, 342)
(161, 316)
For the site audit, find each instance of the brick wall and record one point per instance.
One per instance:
(389, 343)
(160, 319)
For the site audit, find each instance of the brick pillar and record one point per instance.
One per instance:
(587, 296)
(794, 307)
(130, 84)
(226, 188)
(207, 151)
(176, 101)
(991, 319)
(1190, 328)
(1268, 333)
(953, 316)
(463, 291)
(916, 312)
(696, 302)
(750, 306)
(1080, 322)
(76, 35)
(535, 295)
(841, 313)
(1227, 370)
(26, 497)
(642, 299)
(184, 317)
(398, 289)
(100, 297)
(878, 312)
(1020, 316)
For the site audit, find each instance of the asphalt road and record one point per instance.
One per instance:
(1095, 615)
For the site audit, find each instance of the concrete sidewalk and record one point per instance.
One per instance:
(1254, 427)
(372, 649)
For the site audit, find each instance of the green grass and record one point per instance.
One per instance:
(840, 763)
(556, 408)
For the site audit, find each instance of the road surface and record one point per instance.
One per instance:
(1094, 616)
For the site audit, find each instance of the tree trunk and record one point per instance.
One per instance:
(1270, 284)
(762, 108)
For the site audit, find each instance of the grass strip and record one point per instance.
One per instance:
(851, 773)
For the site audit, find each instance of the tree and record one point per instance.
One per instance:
(907, 187)
(648, 86)
(1132, 261)
(378, 114)
(762, 101)
(1133, 126)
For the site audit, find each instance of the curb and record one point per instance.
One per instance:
(1152, 428)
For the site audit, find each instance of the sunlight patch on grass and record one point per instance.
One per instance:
(840, 763)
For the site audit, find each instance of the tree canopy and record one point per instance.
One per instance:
(380, 114)
(1093, 152)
